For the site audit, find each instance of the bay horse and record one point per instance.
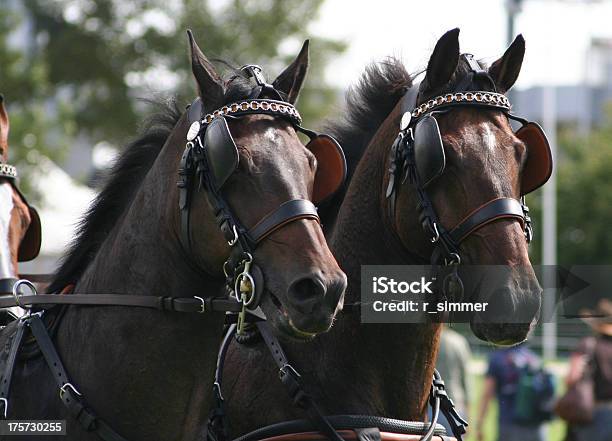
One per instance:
(147, 373)
(386, 369)
(20, 233)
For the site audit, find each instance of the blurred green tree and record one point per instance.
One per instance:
(584, 198)
(79, 67)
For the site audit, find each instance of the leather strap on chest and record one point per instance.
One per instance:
(9, 367)
(69, 395)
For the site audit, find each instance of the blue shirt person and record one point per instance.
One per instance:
(501, 382)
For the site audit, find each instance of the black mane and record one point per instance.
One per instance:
(368, 104)
(123, 181)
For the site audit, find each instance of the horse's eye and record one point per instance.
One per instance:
(520, 153)
(312, 161)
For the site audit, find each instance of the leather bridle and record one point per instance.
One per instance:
(195, 168)
(402, 168)
(243, 278)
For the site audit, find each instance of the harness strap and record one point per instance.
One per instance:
(287, 212)
(68, 393)
(161, 303)
(216, 429)
(489, 212)
(5, 379)
(184, 184)
(440, 401)
(292, 380)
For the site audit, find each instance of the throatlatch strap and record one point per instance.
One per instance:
(5, 379)
(285, 213)
(491, 211)
(67, 392)
(292, 380)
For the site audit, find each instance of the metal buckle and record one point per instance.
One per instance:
(202, 306)
(16, 294)
(288, 369)
(63, 390)
(4, 401)
(233, 241)
(455, 259)
(217, 388)
(436, 237)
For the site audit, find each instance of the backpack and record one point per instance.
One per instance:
(535, 395)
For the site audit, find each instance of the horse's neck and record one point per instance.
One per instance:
(142, 254)
(352, 369)
(361, 234)
(393, 361)
(157, 357)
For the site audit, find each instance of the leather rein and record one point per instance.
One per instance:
(329, 426)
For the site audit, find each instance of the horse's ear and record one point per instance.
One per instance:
(210, 84)
(4, 130)
(506, 70)
(443, 61)
(292, 78)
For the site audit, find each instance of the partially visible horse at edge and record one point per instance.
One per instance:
(20, 230)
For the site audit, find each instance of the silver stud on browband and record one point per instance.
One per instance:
(8, 171)
(405, 122)
(194, 130)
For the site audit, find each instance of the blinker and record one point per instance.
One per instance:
(220, 150)
(431, 160)
(331, 167)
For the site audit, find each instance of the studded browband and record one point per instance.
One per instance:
(8, 171)
(488, 99)
(260, 106)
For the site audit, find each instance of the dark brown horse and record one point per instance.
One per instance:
(145, 372)
(386, 369)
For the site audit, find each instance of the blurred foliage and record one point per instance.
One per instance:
(584, 197)
(79, 67)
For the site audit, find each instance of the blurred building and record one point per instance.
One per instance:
(584, 105)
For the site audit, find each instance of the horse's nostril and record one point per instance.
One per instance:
(306, 292)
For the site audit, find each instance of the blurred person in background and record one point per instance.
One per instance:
(453, 357)
(510, 378)
(593, 357)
